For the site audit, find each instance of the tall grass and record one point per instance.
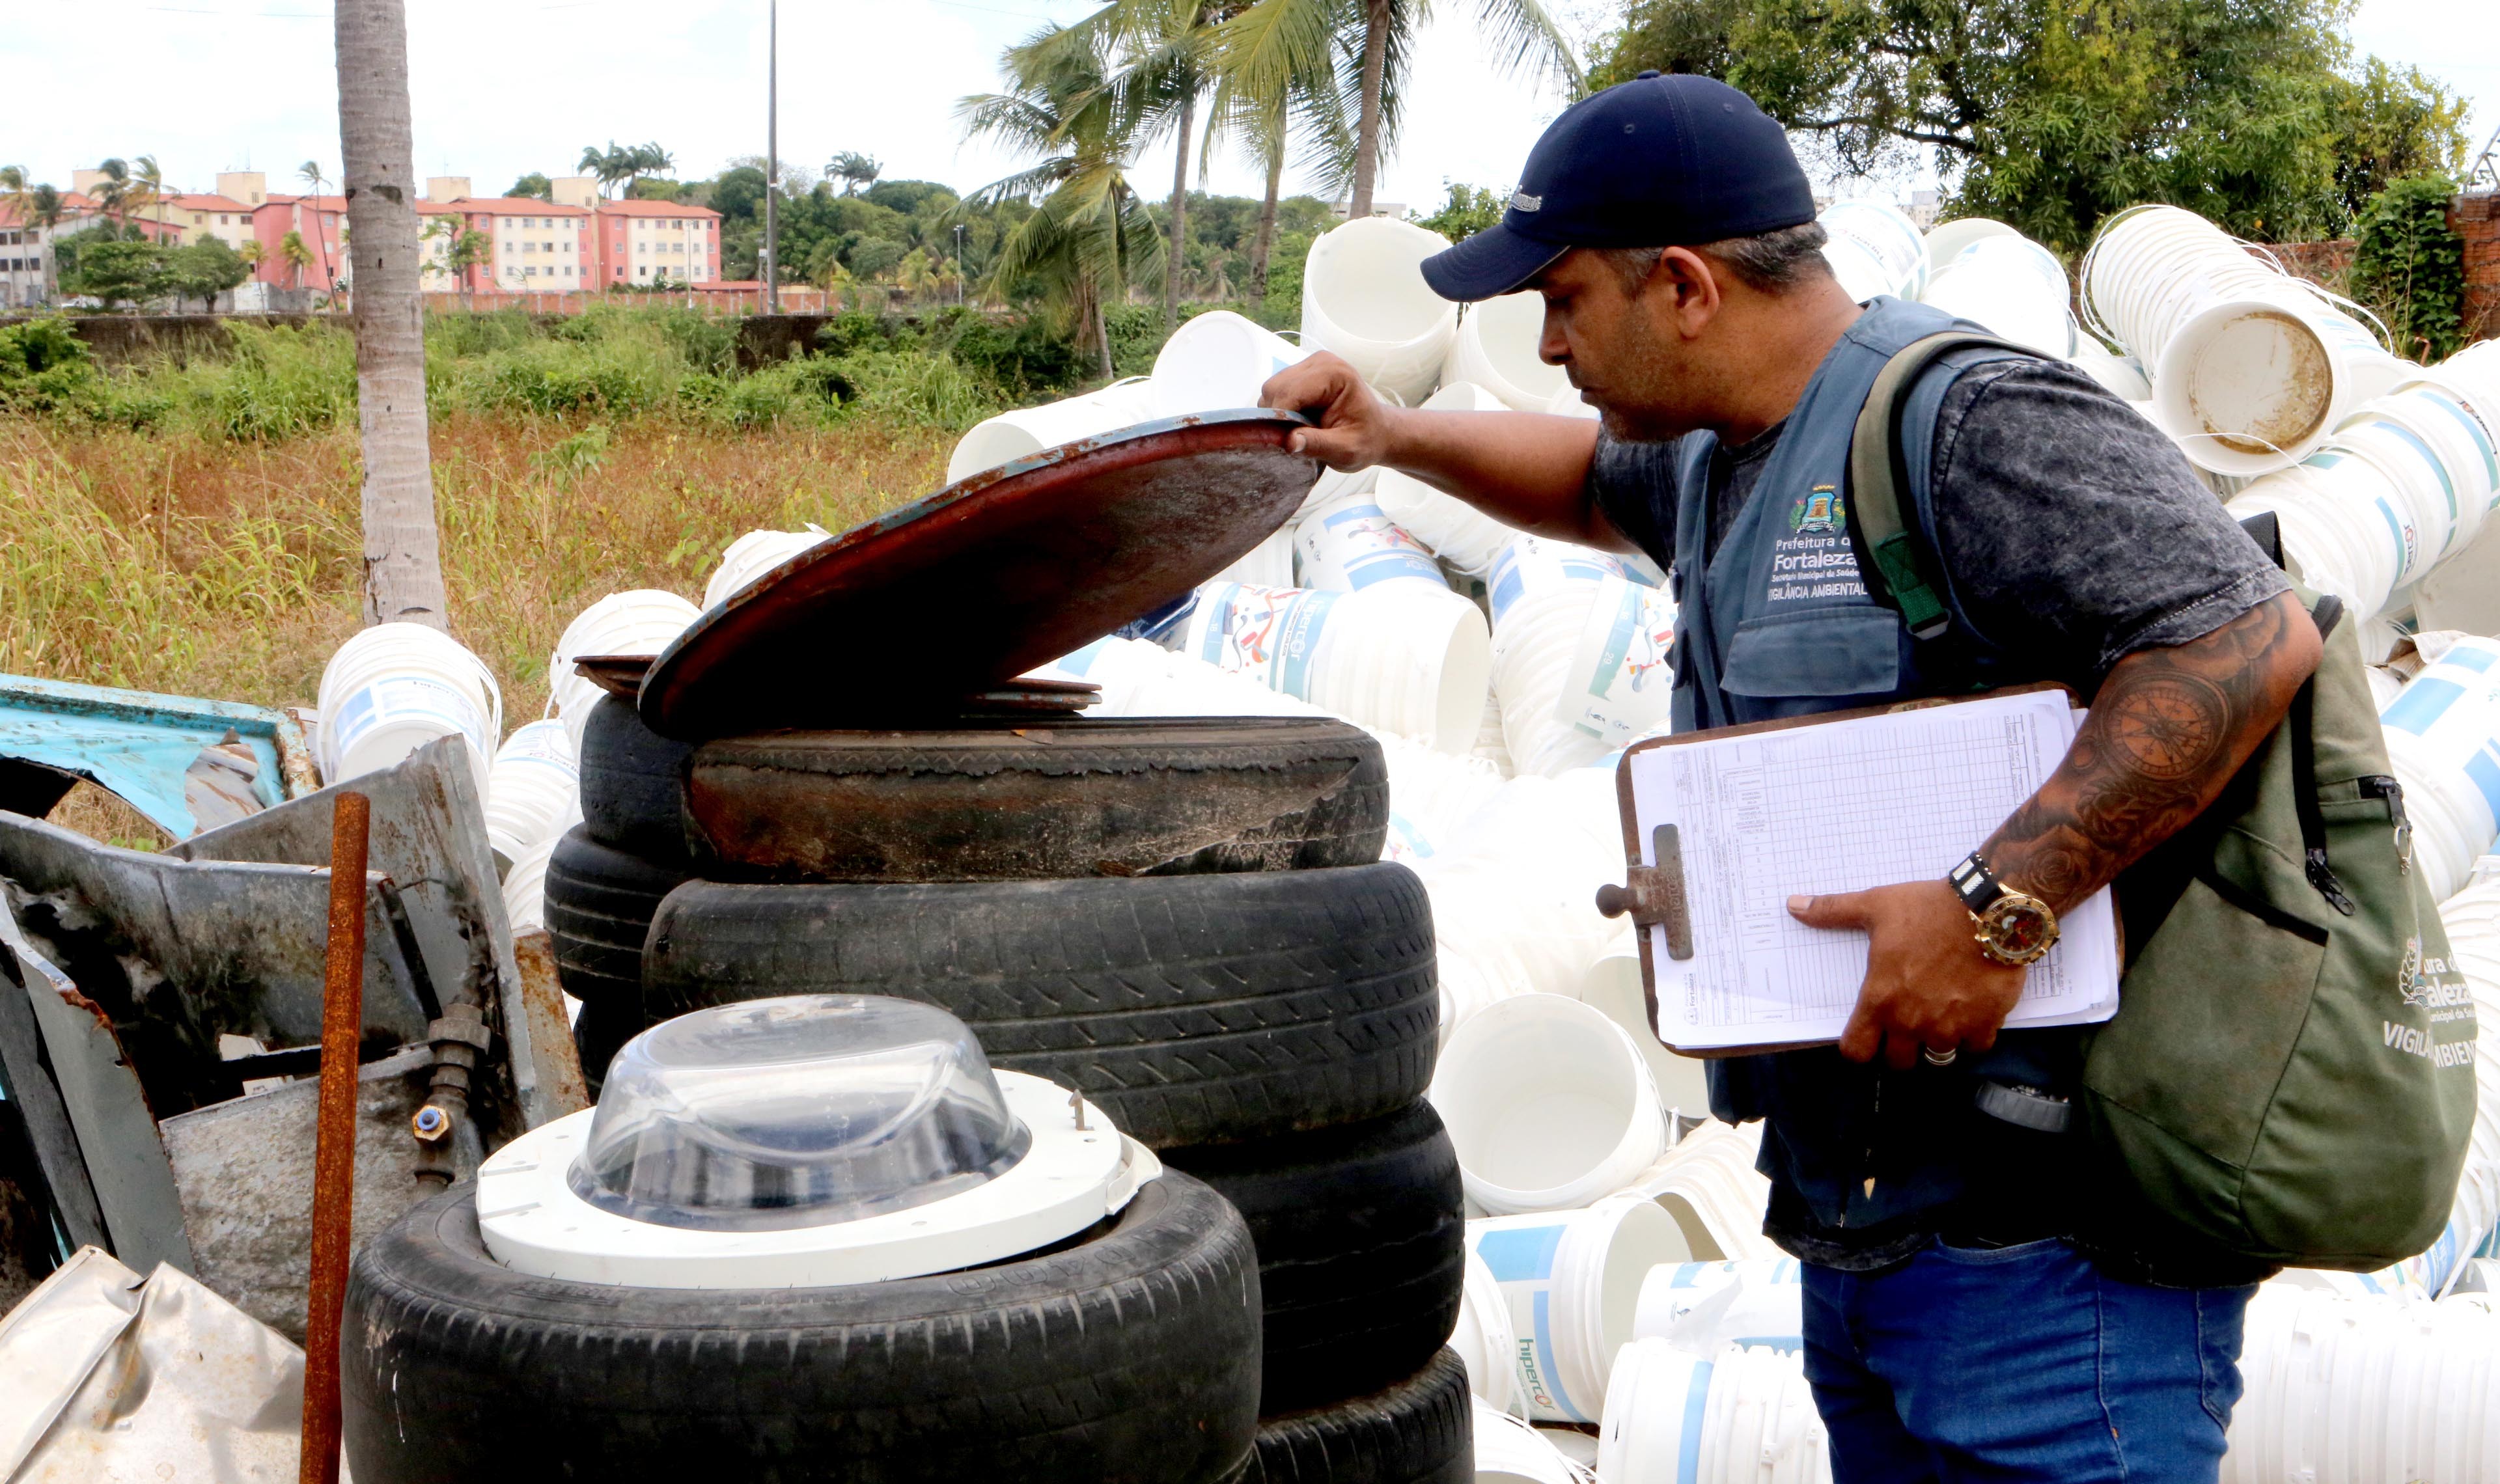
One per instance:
(229, 568)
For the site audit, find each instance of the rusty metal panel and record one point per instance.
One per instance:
(982, 581)
(429, 836)
(243, 1172)
(242, 942)
(117, 1134)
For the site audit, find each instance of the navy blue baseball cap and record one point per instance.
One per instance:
(1660, 161)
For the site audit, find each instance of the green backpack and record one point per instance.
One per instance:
(2290, 1078)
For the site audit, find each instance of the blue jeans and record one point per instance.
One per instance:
(2020, 1363)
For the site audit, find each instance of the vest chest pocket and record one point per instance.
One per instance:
(1829, 651)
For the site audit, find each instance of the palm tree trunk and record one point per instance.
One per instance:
(1265, 239)
(1180, 213)
(1367, 148)
(403, 556)
(1103, 339)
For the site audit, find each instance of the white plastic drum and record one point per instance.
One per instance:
(1946, 239)
(534, 790)
(641, 621)
(395, 688)
(1027, 431)
(758, 552)
(1548, 1103)
(1214, 361)
(1875, 248)
(1572, 1281)
(1364, 298)
(1495, 348)
(2014, 287)
(1408, 657)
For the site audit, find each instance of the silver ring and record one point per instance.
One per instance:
(1935, 1058)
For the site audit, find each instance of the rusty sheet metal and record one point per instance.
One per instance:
(1074, 798)
(244, 1168)
(117, 1135)
(894, 619)
(106, 1378)
(240, 945)
(185, 763)
(429, 836)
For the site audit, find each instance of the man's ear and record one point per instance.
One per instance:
(1688, 285)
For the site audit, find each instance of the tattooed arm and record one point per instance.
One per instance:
(2167, 731)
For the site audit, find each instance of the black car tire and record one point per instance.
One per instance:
(1362, 1240)
(1130, 1356)
(1419, 1430)
(1073, 797)
(599, 907)
(633, 783)
(1192, 1009)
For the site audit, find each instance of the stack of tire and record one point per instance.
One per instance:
(1186, 920)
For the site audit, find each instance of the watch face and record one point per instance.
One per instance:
(2020, 929)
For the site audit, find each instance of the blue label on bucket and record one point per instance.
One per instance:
(1373, 548)
(2419, 709)
(2483, 770)
(1520, 1255)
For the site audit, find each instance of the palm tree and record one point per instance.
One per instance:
(856, 171)
(1166, 48)
(606, 166)
(148, 187)
(646, 160)
(310, 171)
(1523, 34)
(253, 254)
(402, 553)
(1278, 76)
(295, 255)
(1089, 236)
(123, 190)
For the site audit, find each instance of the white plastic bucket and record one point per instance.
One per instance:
(1743, 1417)
(533, 791)
(1508, 1451)
(2443, 737)
(1027, 431)
(1542, 594)
(1571, 1280)
(1706, 1307)
(1708, 1183)
(1364, 298)
(393, 688)
(525, 887)
(1495, 348)
(2014, 287)
(1411, 658)
(2251, 383)
(1548, 1103)
(1352, 543)
(2343, 523)
(758, 552)
(644, 620)
(1614, 987)
(1946, 239)
(1484, 1341)
(1214, 361)
(1875, 248)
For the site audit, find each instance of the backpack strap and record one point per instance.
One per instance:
(1894, 558)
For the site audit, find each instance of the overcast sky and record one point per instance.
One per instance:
(506, 87)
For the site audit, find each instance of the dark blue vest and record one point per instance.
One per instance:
(1779, 624)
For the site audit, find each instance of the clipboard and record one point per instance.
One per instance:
(1656, 896)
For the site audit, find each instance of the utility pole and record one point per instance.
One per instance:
(771, 155)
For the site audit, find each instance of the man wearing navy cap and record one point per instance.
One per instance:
(1966, 1315)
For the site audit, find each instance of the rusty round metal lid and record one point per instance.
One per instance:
(953, 595)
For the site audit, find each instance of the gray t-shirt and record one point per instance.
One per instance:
(2071, 529)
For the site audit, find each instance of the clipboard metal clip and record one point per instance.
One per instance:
(1654, 895)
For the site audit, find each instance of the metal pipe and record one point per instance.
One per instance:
(334, 1151)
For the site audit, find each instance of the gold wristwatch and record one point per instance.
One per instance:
(2013, 928)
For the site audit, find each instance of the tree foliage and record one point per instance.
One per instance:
(2050, 114)
(2409, 264)
(204, 269)
(1467, 210)
(534, 184)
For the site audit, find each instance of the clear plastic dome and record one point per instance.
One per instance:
(793, 1113)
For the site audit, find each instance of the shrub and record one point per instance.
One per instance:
(278, 383)
(925, 388)
(44, 368)
(2410, 266)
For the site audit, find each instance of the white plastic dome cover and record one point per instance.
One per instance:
(796, 1111)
